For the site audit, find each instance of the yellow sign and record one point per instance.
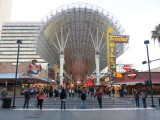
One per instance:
(119, 38)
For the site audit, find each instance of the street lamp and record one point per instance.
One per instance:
(146, 42)
(15, 82)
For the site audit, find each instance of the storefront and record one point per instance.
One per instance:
(139, 80)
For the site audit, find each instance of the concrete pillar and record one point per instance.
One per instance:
(97, 58)
(61, 68)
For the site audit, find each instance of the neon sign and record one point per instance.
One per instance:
(119, 38)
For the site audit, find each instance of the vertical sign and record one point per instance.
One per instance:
(112, 56)
(111, 40)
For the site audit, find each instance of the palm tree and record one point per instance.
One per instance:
(156, 33)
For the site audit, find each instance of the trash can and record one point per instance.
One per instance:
(7, 102)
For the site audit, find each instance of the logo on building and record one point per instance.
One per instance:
(127, 67)
(132, 75)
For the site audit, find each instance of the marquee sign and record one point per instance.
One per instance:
(111, 41)
(119, 38)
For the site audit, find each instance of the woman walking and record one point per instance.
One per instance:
(41, 97)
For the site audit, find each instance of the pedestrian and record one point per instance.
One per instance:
(50, 92)
(92, 91)
(63, 97)
(125, 91)
(26, 99)
(144, 96)
(40, 97)
(70, 92)
(136, 96)
(113, 91)
(83, 100)
(4, 93)
(99, 97)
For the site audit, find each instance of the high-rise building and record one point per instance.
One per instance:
(11, 32)
(5, 11)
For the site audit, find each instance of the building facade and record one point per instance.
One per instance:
(5, 11)
(11, 32)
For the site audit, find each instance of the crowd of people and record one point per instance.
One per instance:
(81, 93)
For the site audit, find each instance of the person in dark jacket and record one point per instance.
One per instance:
(83, 100)
(63, 97)
(99, 97)
(26, 99)
(136, 96)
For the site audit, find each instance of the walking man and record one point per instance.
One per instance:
(63, 98)
(136, 96)
(99, 97)
(26, 99)
(144, 96)
(83, 100)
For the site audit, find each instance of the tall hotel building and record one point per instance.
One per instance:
(11, 32)
(5, 11)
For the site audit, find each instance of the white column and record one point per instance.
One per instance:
(61, 68)
(97, 57)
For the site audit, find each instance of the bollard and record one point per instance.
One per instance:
(75, 104)
(93, 103)
(132, 102)
(113, 102)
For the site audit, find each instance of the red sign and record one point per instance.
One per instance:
(132, 75)
(126, 67)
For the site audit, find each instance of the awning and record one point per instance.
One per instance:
(8, 75)
(135, 81)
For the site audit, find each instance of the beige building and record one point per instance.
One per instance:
(5, 11)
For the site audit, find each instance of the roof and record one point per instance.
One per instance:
(78, 31)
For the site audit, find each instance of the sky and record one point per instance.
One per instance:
(138, 18)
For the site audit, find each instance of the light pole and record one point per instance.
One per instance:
(146, 42)
(15, 82)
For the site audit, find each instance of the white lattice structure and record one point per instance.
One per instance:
(77, 31)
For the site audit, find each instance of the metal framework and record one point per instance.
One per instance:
(79, 32)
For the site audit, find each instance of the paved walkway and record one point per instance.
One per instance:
(123, 112)
(81, 114)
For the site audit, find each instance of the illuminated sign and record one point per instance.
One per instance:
(127, 67)
(132, 75)
(119, 38)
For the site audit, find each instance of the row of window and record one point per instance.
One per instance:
(18, 31)
(20, 28)
(17, 38)
(16, 45)
(20, 56)
(27, 34)
(21, 24)
(28, 41)
(20, 60)
(10, 49)
(15, 53)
